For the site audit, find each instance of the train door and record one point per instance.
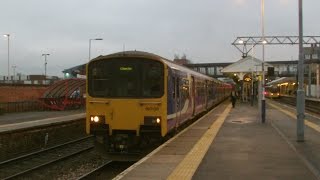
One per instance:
(206, 94)
(193, 92)
(177, 100)
(174, 101)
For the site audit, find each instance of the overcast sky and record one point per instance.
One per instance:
(201, 29)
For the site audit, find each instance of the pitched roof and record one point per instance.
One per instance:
(246, 64)
(282, 80)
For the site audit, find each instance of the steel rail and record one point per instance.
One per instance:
(43, 150)
(95, 170)
(47, 163)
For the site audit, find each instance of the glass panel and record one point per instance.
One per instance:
(125, 77)
(210, 70)
(202, 70)
(219, 70)
(101, 76)
(152, 78)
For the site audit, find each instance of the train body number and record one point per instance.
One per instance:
(152, 108)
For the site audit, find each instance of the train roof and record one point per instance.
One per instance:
(282, 80)
(170, 63)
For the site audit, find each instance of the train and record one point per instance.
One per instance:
(133, 97)
(272, 91)
(284, 86)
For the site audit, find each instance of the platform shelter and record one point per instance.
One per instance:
(247, 70)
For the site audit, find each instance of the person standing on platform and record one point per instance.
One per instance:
(233, 98)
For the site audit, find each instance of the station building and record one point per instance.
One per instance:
(29, 79)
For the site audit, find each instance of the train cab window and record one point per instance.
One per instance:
(152, 78)
(101, 80)
(126, 77)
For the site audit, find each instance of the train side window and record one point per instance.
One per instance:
(174, 87)
(185, 88)
(178, 87)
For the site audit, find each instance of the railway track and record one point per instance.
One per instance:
(23, 165)
(108, 170)
(311, 106)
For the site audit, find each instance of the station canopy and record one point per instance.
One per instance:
(246, 65)
(282, 80)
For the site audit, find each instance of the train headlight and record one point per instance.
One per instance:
(97, 119)
(152, 120)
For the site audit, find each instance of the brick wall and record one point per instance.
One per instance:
(14, 93)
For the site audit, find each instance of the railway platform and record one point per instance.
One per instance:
(22, 120)
(232, 143)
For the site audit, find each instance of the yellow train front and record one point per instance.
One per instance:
(135, 97)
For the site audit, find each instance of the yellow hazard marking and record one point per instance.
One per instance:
(306, 122)
(190, 163)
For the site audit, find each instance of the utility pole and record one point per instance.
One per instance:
(8, 36)
(45, 67)
(300, 92)
(317, 73)
(14, 73)
(252, 91)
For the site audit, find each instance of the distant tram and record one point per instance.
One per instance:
(134, 96)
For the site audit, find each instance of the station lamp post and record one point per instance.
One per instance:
(300, 91)
(8, 36)
(263, 100)
(96, 39)
(45, 66)
(252, 78)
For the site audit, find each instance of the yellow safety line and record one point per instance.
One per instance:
(306, 122)
(190, 163)
(125, 172)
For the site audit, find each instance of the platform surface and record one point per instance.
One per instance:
(232, 143)
(22, 120)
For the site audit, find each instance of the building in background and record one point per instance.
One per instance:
(75, 72)
(312, 70)
(28, 79)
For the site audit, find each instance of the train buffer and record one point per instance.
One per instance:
(232, 143)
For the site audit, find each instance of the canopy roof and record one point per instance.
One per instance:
(247, 64)
(282, 80)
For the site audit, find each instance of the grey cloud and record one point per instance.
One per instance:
(203, 30)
